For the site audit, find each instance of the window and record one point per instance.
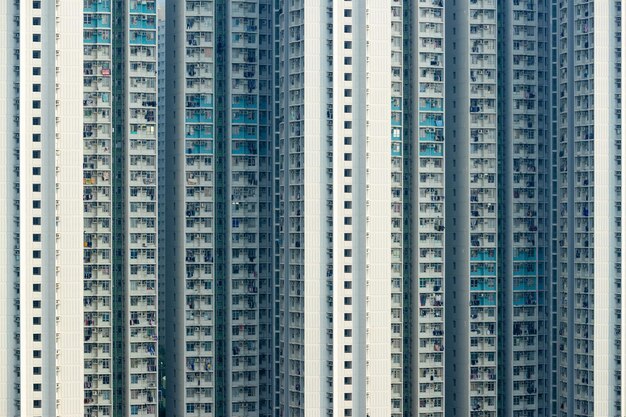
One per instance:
(37, 304)
(347, 173)
(36, 104)
(347, 301)
(36, 37)
(37, 154)
(347, 204)
(36, 4)
(36, 21)
(36, 387)
(36, 70)
(347, 316)
(36, 170)
(37, 254)
(36, 204)
(347, 380)
(347, 28)
(36, 88)
(347, 285)
(347, 45)
(36, 54)
(36, 287)
(36, 321)
(347, 60)
(36, 121)
(36, 237)
(347, 124)
(36, 188)
(347, 237)
(347, 140)
(347, 188)
(37, 370)
(37, 337)
(347, 109)
(347, 396)
(347, 220)
(347, 365)
(347, 13)
(347, 332)
(36, 137)
(36, 403)
(347, 92)
(36, 270)
(37, 221)
(36, 354)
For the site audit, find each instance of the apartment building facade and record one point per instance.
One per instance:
(219, 180)
(425, 223)
(382, 254)
(40, 226)
(497, 219)
(370, 207)
(475, 185)
(341, 208)
(120, 207)
(589, 356)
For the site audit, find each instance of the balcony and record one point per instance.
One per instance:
(97, 6)
(147, 22)
(482, 300)
(97, 36)
(143, 6)
(431, 151)
(96, 22)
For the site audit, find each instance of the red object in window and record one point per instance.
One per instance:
(106, 71)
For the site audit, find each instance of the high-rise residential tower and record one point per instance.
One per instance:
(554, 212)
(472, 209)
(589, 208)
(524, 197)
(161, 277)
(497, 188)
(341, 208)
(424, 147)
(120, 207)
(41, 209)
(162, 117)
(219, 180)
